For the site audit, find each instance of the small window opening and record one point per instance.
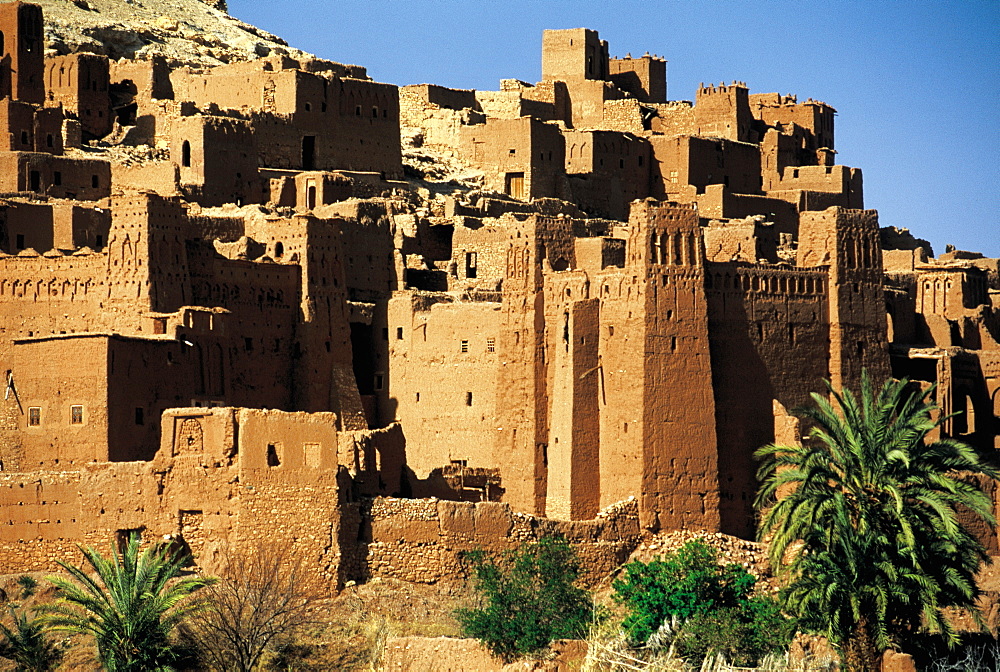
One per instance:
(186, 154)
(24, 137)
(94, 181)
(465, 346)
(374, 113)
(34, 416)
(272, 456)
(399, 333)
(418, 397)
(99, 240)
(357, 111)
(248, 344)
(140, 415)
(49, 141)
(491, 345)
(76, 415)
(468, 398)
(379, 381)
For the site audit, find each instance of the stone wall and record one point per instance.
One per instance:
(421, 540)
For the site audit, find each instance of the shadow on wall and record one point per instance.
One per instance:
(455, 482)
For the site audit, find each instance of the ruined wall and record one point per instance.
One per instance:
(55, 176)
(80, 82)
(420, 540)
(815, 117)
(26, 128)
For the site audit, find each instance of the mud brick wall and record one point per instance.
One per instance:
(420, 540)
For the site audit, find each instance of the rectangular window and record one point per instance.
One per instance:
(313, 454)
(248, 344)
(140, 415)
(34, 416)
(465, 346)
(468, 398)
(399, 333)
(491, 345)
(76, 415)
(379, 381)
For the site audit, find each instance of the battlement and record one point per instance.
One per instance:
(721, 89)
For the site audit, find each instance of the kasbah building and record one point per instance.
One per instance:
(266, 334)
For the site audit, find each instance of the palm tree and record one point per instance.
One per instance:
(864, 522)
(27, 646)
(130, 607)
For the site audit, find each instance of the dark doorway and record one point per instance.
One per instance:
(309, 152)
(35, 178)
(363, 349)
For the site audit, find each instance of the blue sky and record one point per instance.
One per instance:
(916, 84)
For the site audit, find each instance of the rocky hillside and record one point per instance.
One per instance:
(198, 32)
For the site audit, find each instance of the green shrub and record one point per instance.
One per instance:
(744, 634)
(527, 598)
(28, 585)
(26, 644)
(713, 603)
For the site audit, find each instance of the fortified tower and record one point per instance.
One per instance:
(848, 242)
(576, 53)
(723, 111)
(22, 57)
(658, 417)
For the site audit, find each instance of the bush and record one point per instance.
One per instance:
(713, 603)
(527, 598)
(28, 585)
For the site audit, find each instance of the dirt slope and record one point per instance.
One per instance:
(199, 32)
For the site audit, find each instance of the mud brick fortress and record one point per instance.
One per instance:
(233, 310)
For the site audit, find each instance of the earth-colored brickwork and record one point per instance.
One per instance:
(259, 297)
